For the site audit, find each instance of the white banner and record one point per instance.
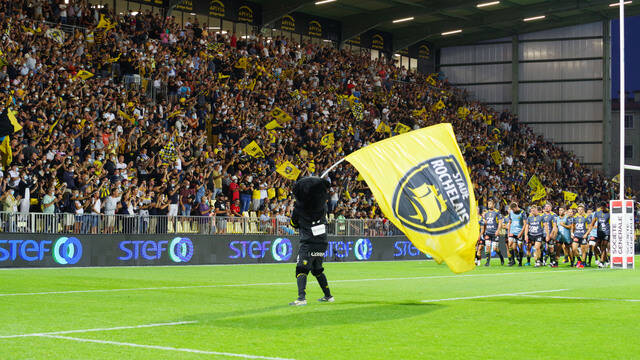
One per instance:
(622, 247)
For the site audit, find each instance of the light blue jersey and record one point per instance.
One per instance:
(563, 231)
(594, 231)
(517, 222)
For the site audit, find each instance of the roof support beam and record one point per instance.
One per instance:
(422, 32)
(273, 10)
(355, 25)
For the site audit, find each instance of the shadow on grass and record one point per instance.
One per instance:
(313, 315)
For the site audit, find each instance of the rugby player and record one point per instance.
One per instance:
(550, 232)
(492, 224)
(580, 229)
(563, 223)
(602, 218)
(515, 226)
(534, 232)
(593, 236)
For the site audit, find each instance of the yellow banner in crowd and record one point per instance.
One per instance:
(401, 128)
(254, 150)
(569, 196)
(272, 125)
(6, 153)
(439, 105)
(422, 113)
(328, 140)
(534, 183)
(540, 193)
(83, 74)
(357, 109)
(288, 170)
(463, 112)
(383, 128)
(422, 186)
(497, 158)
(280, 115)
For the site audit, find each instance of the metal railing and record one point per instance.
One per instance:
(67, 223)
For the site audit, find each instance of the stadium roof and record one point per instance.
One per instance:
(431, 18)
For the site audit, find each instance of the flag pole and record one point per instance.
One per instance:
(324, 174)
(623, 100)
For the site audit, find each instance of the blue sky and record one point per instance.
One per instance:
(632, 55)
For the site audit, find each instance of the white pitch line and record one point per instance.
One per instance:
(581, 298)
(493, 295)
(286, 283)
(98, 329)
(194, 351)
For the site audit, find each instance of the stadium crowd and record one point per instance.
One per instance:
(139, 115)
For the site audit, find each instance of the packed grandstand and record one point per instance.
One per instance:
(138, 115)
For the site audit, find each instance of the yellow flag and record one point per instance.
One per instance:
(254, 150)
(83, 74)
(497, 158)
(280, 115)
(328, 140)
(401, 128)
(357, 109)
(420, 113)
(126, 116)
(272, 136)
(222, 77)
(383, 128)
(312, 166)
(53, 126)
(272, 125)
(288, 170)
(422, 186)
(569, 196)
(9, 122)
(5, 152)
(242, 63)
(573, 206)
(115, 59)
(540, 193)
(251, 85)
(430, 80)
(616, 179)
(104, 22)
(172, 115)
(463, 112)
(439, 105)
(481, 148)
(534, 183)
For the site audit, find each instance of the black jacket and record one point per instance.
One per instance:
(310, 210)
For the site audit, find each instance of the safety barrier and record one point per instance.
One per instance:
(66, 223)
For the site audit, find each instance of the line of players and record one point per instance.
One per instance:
(579, 236)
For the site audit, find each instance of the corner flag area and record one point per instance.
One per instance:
(383, 310)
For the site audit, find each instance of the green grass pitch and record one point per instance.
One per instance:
(241, 312)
